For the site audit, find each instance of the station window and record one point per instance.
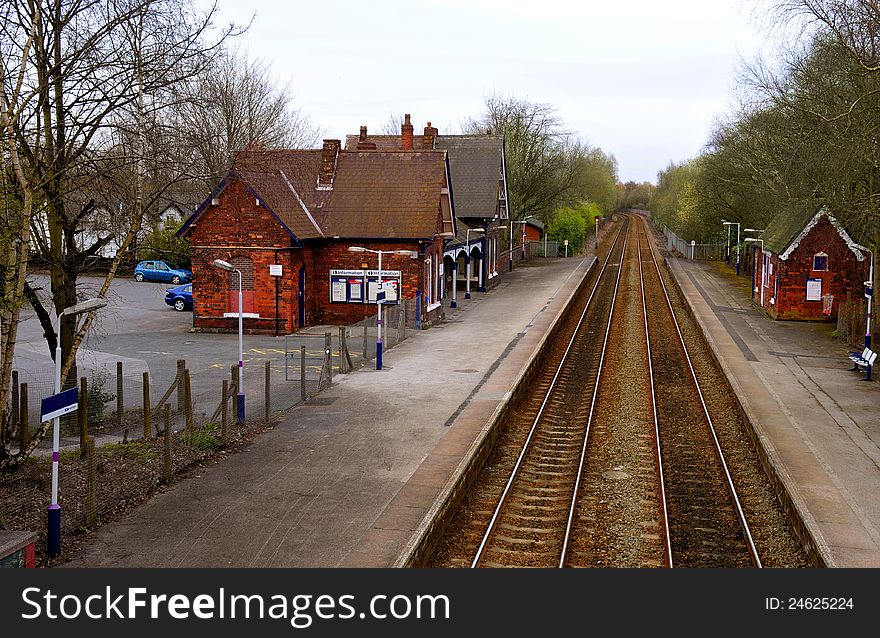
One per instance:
(820, 261)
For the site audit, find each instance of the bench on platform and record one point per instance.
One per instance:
(865, 360)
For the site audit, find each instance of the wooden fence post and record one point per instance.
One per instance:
(234, 374)
(120, 403)
(188, 405)
(83, 414)
(403, 317)
(328, 356)
(342, 369)
(166, 469)
(268, 409)
(224, 416)
(13, 418)
(91, 483)
(148, 413)
(181, 398)
(302, 371)
(24, 432)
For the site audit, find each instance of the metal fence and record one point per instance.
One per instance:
(693, 250)
(114, 452)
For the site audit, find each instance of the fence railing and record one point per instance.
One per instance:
(693, 250)
(133, 433)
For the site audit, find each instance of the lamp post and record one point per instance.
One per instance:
(360, 249)
(749, 240)
(225, 265)
(467, 242)
(729, 224)
(512, 222)
(53, 536)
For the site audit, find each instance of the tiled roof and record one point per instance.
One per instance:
(785, 232)
(374, 194)
(474, 163)
(475, 167)
(785, 226)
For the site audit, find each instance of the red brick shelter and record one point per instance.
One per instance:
(805, 264)
(287, 218)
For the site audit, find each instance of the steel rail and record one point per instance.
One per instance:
(720, 454)
(577, 481)
(501, 501)
(664, 510)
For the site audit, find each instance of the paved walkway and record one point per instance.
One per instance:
(818, 421)
(312, 492)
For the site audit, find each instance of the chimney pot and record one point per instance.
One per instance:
(430, 136)
(363, 134)
(406, 134)
(329, 153)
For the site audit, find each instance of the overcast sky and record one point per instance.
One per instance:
(643, 80)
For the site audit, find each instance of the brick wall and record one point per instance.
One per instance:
(843, 279)
(334, 255)
(240, 228)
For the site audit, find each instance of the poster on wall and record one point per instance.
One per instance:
(390, 285)
(356, 289)
(814, 289)
(348, 286)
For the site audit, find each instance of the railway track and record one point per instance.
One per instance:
(612, 459)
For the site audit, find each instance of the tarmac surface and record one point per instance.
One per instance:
(347, 479)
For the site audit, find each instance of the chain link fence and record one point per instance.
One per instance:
(137, 429)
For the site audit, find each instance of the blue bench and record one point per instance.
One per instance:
(865, 359)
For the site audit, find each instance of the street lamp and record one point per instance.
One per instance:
(523, 240)
(53, 537)
(729, 224)
(225, 265)
(467, 243)
(754, 268)
(360, 249)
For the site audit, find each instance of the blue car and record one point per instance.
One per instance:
(180, 297)
(155, 270)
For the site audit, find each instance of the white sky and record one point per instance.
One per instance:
(644, 80)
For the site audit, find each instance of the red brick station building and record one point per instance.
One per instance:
(286, 219)
(806, 264)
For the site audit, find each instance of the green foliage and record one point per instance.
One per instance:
(634, 196)
(99, 398)
(161, 243)
(200, 439)
(571, 224)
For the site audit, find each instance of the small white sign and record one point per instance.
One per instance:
(275, 270)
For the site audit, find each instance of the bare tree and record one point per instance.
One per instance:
(71, 73)
(234, 104)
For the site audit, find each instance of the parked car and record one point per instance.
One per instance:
(180, 297)
(154, 270)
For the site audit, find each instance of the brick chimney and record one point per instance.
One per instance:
(430, 136)
(406, 134)
(363, 144)
(329, 154)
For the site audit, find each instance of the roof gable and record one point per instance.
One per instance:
(785, 254)
(373, 194)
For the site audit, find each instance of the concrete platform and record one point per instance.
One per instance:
(817, 420)
(324, 488)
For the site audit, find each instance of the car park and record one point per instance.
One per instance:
(156, 270)
(180, 297)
